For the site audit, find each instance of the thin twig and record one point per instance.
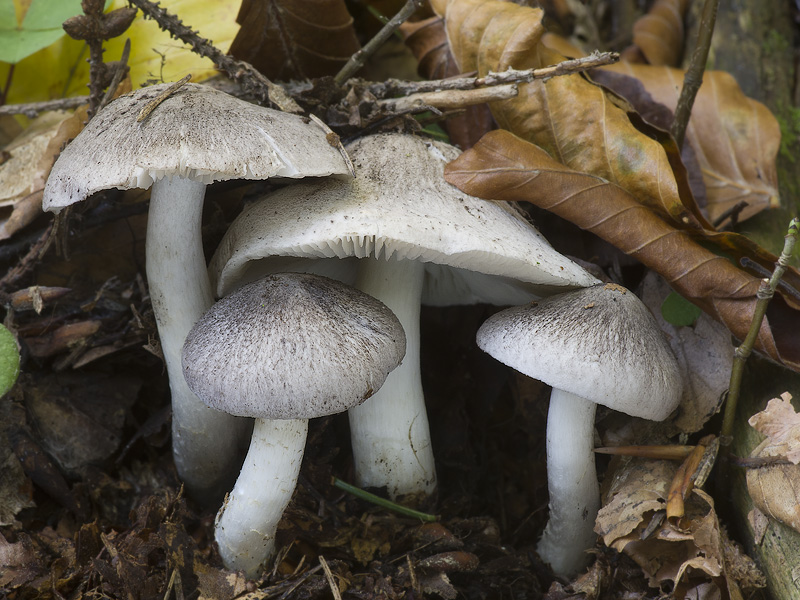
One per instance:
(452, 99)
(32, 109)
(398, 87)
(119, 72)
(337, 595)
(764, 294)
(360, 58)
(246, 74)
(694, 74)
(153, 104)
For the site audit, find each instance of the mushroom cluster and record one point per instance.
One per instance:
(399, 232)
(320, 286)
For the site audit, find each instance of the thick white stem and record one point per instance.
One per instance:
(572, 482)
(205, 441)
(390, 435)
(247, 522)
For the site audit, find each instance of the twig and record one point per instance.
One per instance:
(119, 72)
(153, 104)
(246, 74)
(29, 260)
(764, 294)
(451, 99)
(398, 87)
(335, 141)
(337, 595)
(32, 109)
(694, 74)
(360, 58)
(398, 508)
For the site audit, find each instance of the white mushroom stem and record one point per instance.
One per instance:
(389, 432)
(572, 481)
(246, 524)
(204, 441)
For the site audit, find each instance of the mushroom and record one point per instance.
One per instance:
(598, 345)
(283, 350)
(401, 233)
(196, 136)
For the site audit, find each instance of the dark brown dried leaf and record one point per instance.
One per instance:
(295, 39)
(504, 167)
(659, 33)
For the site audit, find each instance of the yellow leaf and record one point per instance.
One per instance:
(61, 69)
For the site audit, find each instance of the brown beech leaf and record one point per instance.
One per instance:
(775, 489)
(735, 138)
(295, 39)
(781, 424)
(659, 33)
(428, 41)
(575, 121)
(504, 167)
(694, 552)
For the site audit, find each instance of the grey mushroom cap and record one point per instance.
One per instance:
(398, 206)
(197, 133)
(600, 343)
(292, 346)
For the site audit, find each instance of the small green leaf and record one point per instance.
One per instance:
(678, 311)
(40, 27)
(9, 360)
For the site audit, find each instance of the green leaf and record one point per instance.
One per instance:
(678, 311)
(40, 27)
(9, 360)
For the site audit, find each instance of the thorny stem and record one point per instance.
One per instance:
(246, 74)
(360, 58)
(764, 294)
(694, 74)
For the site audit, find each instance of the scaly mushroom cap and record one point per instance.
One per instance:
(400, 206)
(198, 133)
(600, 343)
(292, 346)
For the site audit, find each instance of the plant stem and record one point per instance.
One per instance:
(694, 74)
(360, 58)
(764, 294)
(398, 508)
(246, 74)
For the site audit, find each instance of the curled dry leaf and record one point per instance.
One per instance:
(631, 522)
(659, 33)
(705, 357)
(22, 175)
(573, 120)
(735, 138)
(295, 39)
(781, 424)
(775, 489)
(504, 167)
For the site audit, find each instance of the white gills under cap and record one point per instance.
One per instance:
(197, 133)
(398, 206)
(292, 346)
(600, 343)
